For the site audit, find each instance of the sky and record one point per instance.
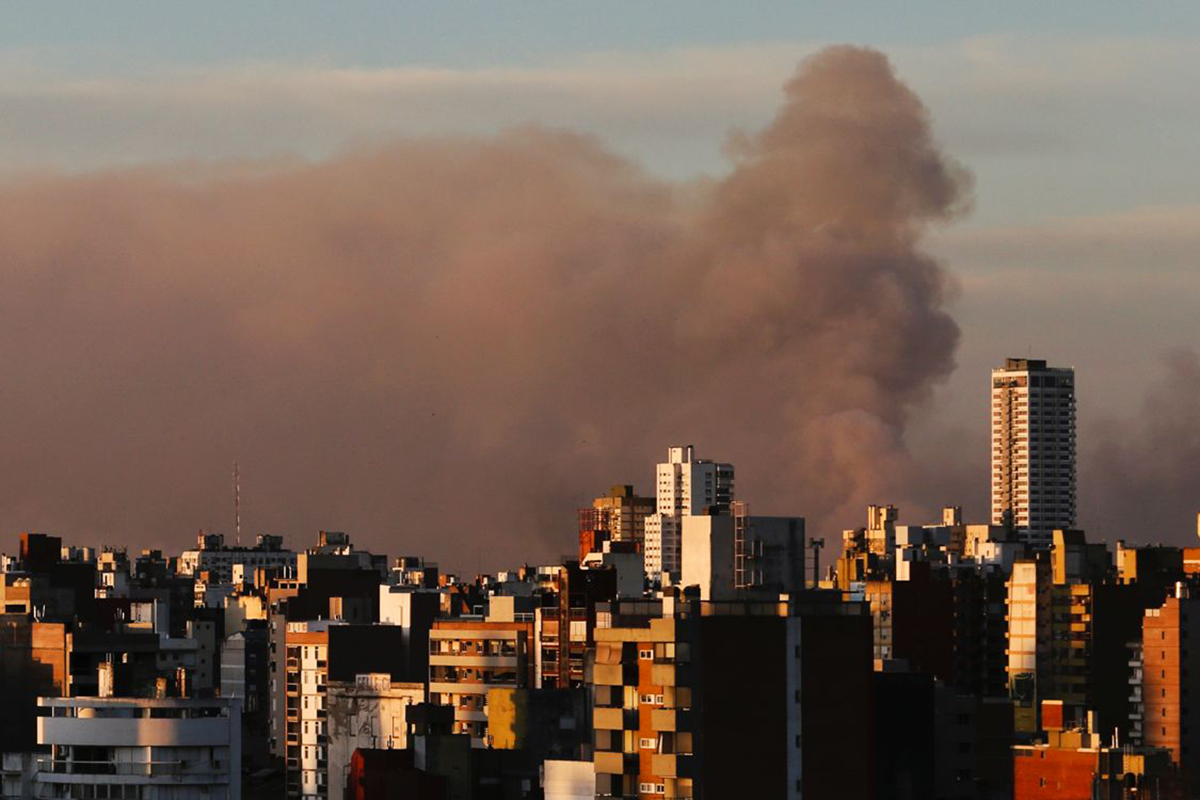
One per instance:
(1077, 121)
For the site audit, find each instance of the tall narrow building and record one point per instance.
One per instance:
(1033, 449)
(684, 485)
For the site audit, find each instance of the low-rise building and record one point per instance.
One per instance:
(370, 713)
(211, 555)
(170, 749)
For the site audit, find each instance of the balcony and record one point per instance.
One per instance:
(608, 719)
(608, 674)
(662, 674)
(669, 765)
(664, 719)
(609, 763)
(199, 772)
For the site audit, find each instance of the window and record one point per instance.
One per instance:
(648, 743)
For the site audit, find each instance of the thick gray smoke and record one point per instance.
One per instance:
(444, 346)
(1142, 476)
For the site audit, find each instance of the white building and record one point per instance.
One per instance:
(212, 556)
(171, 749)
(1033, 449)
(684, 485)
(300, 724)
(738, 556)
(370, 713)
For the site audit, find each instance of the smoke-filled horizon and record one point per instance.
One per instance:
(444, 346)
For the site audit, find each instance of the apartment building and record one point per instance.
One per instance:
(738, 556)
(1170, 662)
(468, 657)
(305, 730)
(372, 713)
(684, 485)
(1033, 449)
(563, 631)
(1029, 632)
(169, 749)
(619, 516)
(213, 556)
(685, 689)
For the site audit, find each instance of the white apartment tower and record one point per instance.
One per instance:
(1033, 448)
(684, 485)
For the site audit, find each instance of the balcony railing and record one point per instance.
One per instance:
(205, 770)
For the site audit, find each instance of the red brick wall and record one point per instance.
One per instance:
(1050, 773)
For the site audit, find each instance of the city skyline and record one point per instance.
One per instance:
(166, 175)
(626, 401)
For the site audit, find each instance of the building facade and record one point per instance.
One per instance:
(299, 715)
(1033, 449)
(737, 556)
(1170, 660)
(684, 485)
(619, 516)
(686, 690)
(211, 555)
(469, 657)
(170, 749)
(370, 713)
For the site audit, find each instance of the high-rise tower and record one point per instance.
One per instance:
(1033, 448)
(684, 485)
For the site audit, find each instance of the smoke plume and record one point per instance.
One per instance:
(445, 346)
(1142, 476)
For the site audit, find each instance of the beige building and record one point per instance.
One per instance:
(468, 657)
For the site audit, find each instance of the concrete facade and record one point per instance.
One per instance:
(172, 749)
(371, 713)
(1033, 449)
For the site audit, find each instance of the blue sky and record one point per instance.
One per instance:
(1048, 132)
(458, 33)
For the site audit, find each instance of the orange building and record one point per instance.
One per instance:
(34, 661)
(1170, 653)
(685, 689)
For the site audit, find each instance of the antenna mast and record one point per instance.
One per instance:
(237, 504)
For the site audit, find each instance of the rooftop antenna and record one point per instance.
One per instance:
(237, 505)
